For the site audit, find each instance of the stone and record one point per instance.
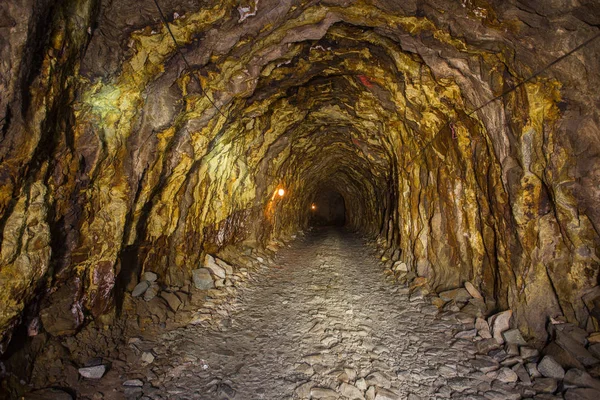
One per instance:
(417, 294)
(57, 317)
(436, 301)
(213, 267)
(575, 348)
(149, 276)
(507, 375)
(467, 320)
(572, 331)
(511, 349)
(451, 306)
(486, 345)
(522, 373)
(349, 375)
(385, 394)
(140, 289)
(582, 394)
(578, 378)
(350, 391)
(303, 391)
(400, 266)
(485, 364)
(513, 336)
(151, 292)
(528, 352)
(594, 350)
(549, 368)
(545, 385)
(147, 357)
(459, 295)
(133, 383)
(370, 393)
(305, 369)
(594, 337)
(498, 354)
(202, 279)
(473, 309)
(460, 383)
(473, 290)
(532, 370)
(468, 334)
(563, 357)
(95, 372)
(483, 328)
(361, 384)
(322, 393)
(172, 300)
(227, 267)
(378, 379)
(499, 323)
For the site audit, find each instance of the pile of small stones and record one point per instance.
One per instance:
(568, 367)
(206, 301)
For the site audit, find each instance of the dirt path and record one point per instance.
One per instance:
(326, 323)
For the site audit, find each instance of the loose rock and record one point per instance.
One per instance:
(513, 336)
(459, 295)
(95, 372)
(350, 391)
(499, 323)
(140, 288)
(549, 368)
(149, 276)
(202, 279)
(213, 267)
(473, 290)
(133, 383)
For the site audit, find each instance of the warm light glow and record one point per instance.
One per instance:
(313, 207)
(281, 192)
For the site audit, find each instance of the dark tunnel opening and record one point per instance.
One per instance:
(328, 209)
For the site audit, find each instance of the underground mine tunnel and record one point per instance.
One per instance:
(289, 199)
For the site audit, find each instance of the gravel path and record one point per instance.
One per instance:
(325, 323)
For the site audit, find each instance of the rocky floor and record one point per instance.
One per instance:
(324, 320)
(323, 323)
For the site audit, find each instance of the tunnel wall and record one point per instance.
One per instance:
(114, 161)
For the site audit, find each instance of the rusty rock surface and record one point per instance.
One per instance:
(114, 162)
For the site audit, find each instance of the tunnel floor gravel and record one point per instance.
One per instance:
(325, 322)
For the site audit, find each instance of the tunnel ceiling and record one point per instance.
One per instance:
(111, 148)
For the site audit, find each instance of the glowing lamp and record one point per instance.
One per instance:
(313, 207)
(281, 192)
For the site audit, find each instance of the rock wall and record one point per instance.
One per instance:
(114, 161)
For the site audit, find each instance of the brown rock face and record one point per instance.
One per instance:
(113, 160)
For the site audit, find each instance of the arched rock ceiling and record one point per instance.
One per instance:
(125, 154)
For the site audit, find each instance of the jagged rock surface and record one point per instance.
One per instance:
(114, 162)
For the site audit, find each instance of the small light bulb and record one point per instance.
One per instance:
(313, 207)
(281, 192)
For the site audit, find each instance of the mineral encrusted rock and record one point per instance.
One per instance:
(114, 161)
